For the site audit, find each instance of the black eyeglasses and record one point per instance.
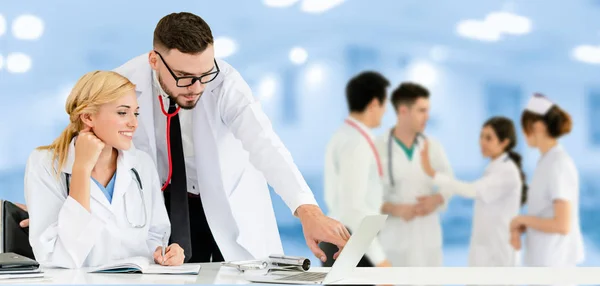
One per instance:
(185, 81)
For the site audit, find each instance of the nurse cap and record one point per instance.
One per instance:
(539, 104)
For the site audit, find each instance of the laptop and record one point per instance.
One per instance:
(354, 250)
(10, 262)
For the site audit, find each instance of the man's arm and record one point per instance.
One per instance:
(434, 152)
(242, 113)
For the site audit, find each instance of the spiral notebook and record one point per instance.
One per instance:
(144, 266)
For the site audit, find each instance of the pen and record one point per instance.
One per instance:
(164, 246)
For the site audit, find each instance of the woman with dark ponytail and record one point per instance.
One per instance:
(552, 229)
(498, 194)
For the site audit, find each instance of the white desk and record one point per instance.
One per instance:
(215, 274)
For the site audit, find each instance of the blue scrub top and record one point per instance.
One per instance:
(109, 189)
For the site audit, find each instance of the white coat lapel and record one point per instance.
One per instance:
(209, 173)
(123, 181)
(144, 137)
(205, 147)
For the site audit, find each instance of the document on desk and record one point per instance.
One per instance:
(144, 266)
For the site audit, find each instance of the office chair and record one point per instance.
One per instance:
(14, 238)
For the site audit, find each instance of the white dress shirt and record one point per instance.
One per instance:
(160, 125)
(352, 184)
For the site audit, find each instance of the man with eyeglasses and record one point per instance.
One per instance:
(215, 151)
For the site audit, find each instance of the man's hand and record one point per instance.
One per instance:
(319, 228)
(428, 204)
(425, 161)
(385, 263)
(405, 211)
(23, 223)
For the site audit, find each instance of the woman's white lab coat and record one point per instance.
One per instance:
(555, 178)
(64, 234)
(497, 201)
(417, 242)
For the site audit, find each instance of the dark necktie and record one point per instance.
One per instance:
(179, 209)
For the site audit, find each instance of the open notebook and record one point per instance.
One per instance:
(143, 265)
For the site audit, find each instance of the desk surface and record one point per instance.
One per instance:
(213, 273)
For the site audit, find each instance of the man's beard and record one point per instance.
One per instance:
(180, 99)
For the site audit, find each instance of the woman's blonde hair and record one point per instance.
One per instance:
(90, 92)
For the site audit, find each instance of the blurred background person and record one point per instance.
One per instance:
(498, 194)
(413, 235)
(552, 227)
(352, 166)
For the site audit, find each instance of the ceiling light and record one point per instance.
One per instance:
(27, 27)
(319, 6)
(587, 54)
(508, 23)
(298, 55)
(477, 30)
(279, 3)
(224, 47)
(18, 63)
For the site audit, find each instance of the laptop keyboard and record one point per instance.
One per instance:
(305, 276)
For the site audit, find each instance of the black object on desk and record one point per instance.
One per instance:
(13, 262)
(13, 237)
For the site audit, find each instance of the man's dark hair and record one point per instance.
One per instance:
(362, 88)
(407, 94)
(183, 31)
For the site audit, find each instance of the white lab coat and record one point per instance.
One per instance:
(235, 150)
(555, 178)
(417, 242)
(353, 187)
(63, 233)
(497, 201)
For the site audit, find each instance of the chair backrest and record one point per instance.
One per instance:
(14, 238)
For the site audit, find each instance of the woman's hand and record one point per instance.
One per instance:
(87, 150)
(174, 255)
(517, 224)
(517, 228)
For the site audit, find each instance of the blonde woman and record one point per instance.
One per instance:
(91, 197)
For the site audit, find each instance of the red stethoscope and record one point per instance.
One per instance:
(169, 116)
(371, 144)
